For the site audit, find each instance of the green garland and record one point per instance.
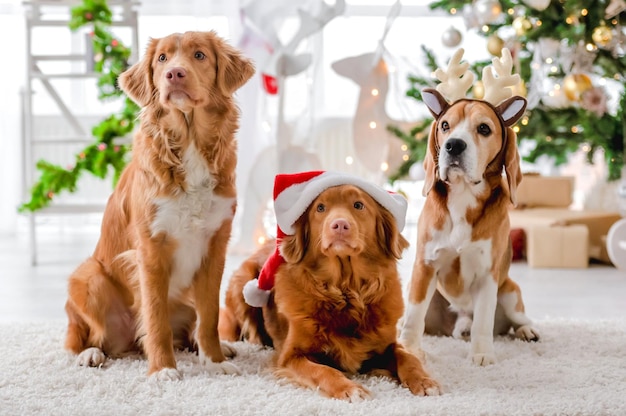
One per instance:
(556, 132)
(111, 59)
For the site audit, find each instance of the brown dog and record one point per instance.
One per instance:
(153, 281)
(336, 301)
(463, 247)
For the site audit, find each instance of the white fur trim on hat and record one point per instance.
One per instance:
(293, 201)
(255, 296)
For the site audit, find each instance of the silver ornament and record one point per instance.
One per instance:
(451, 37)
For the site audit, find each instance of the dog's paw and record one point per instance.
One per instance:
(167, 374)
(228, 350)
(423, 386)
(462, 328)
(224, 367)
(91, 357)
(526, 333)
(484, 359)
(351, 392)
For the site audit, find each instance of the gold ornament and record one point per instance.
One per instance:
(521, 25)
(495, 45)
(574, 85)
(602, 36)
(478, 90)
(520, 89)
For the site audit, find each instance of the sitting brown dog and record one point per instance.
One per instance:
(336, 297)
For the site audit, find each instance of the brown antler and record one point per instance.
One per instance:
(496, 86)
(456, 80)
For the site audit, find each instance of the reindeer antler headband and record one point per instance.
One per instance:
(456, 80)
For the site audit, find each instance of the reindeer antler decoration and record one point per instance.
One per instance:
(496, 89)
(457, 79)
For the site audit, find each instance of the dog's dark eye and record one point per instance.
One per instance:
(321, 208)
(162, 58)
(199, 56)
(445, 126)
(359, 205)
(484, 130)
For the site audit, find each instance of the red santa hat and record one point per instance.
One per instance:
(293, 193)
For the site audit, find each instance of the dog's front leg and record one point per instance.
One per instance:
(154, 280)
(485, 300)
(206, 289)
(422, 288)
(411, 373)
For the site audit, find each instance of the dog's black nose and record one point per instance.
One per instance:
(455, 146)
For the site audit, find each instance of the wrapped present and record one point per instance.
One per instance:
(558, 246)
(545, 191)
(597, 223)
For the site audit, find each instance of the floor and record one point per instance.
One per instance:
(38, 292)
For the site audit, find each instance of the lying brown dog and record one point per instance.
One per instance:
(336, 299)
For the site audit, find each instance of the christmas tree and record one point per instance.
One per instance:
(571, 56)
(104, 153)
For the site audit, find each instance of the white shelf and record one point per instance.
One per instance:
(55, 15)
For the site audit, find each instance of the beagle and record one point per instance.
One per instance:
(463, 248)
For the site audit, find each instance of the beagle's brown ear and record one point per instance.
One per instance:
(233, 69)
(512, 164)
(390, 241)
(431, 160)
(136, 81)
(511, 110)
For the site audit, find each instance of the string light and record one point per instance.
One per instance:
(372, 125)
(261, 240)
(349, 160)
(374, 92)
(384, 166)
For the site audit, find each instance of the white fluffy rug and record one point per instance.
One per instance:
(579, 368)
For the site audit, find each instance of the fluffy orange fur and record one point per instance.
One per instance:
(336, 301)
(138, 291)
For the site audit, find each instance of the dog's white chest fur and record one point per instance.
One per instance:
(191, 218)
(455, 240)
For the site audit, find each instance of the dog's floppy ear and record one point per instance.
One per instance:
(294, 247)
(431, 161)
(137, 81)
(233, 69)
(512, 164)
(389, 238)
(511, 110)
(436, 104)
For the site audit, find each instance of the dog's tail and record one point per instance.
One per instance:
(238, 320)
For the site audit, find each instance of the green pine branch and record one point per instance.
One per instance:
(104, 155)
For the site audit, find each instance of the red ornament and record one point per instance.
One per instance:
(102, 146)
(50, 195)
(88, 16)
(270, 84)
(114, 43)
